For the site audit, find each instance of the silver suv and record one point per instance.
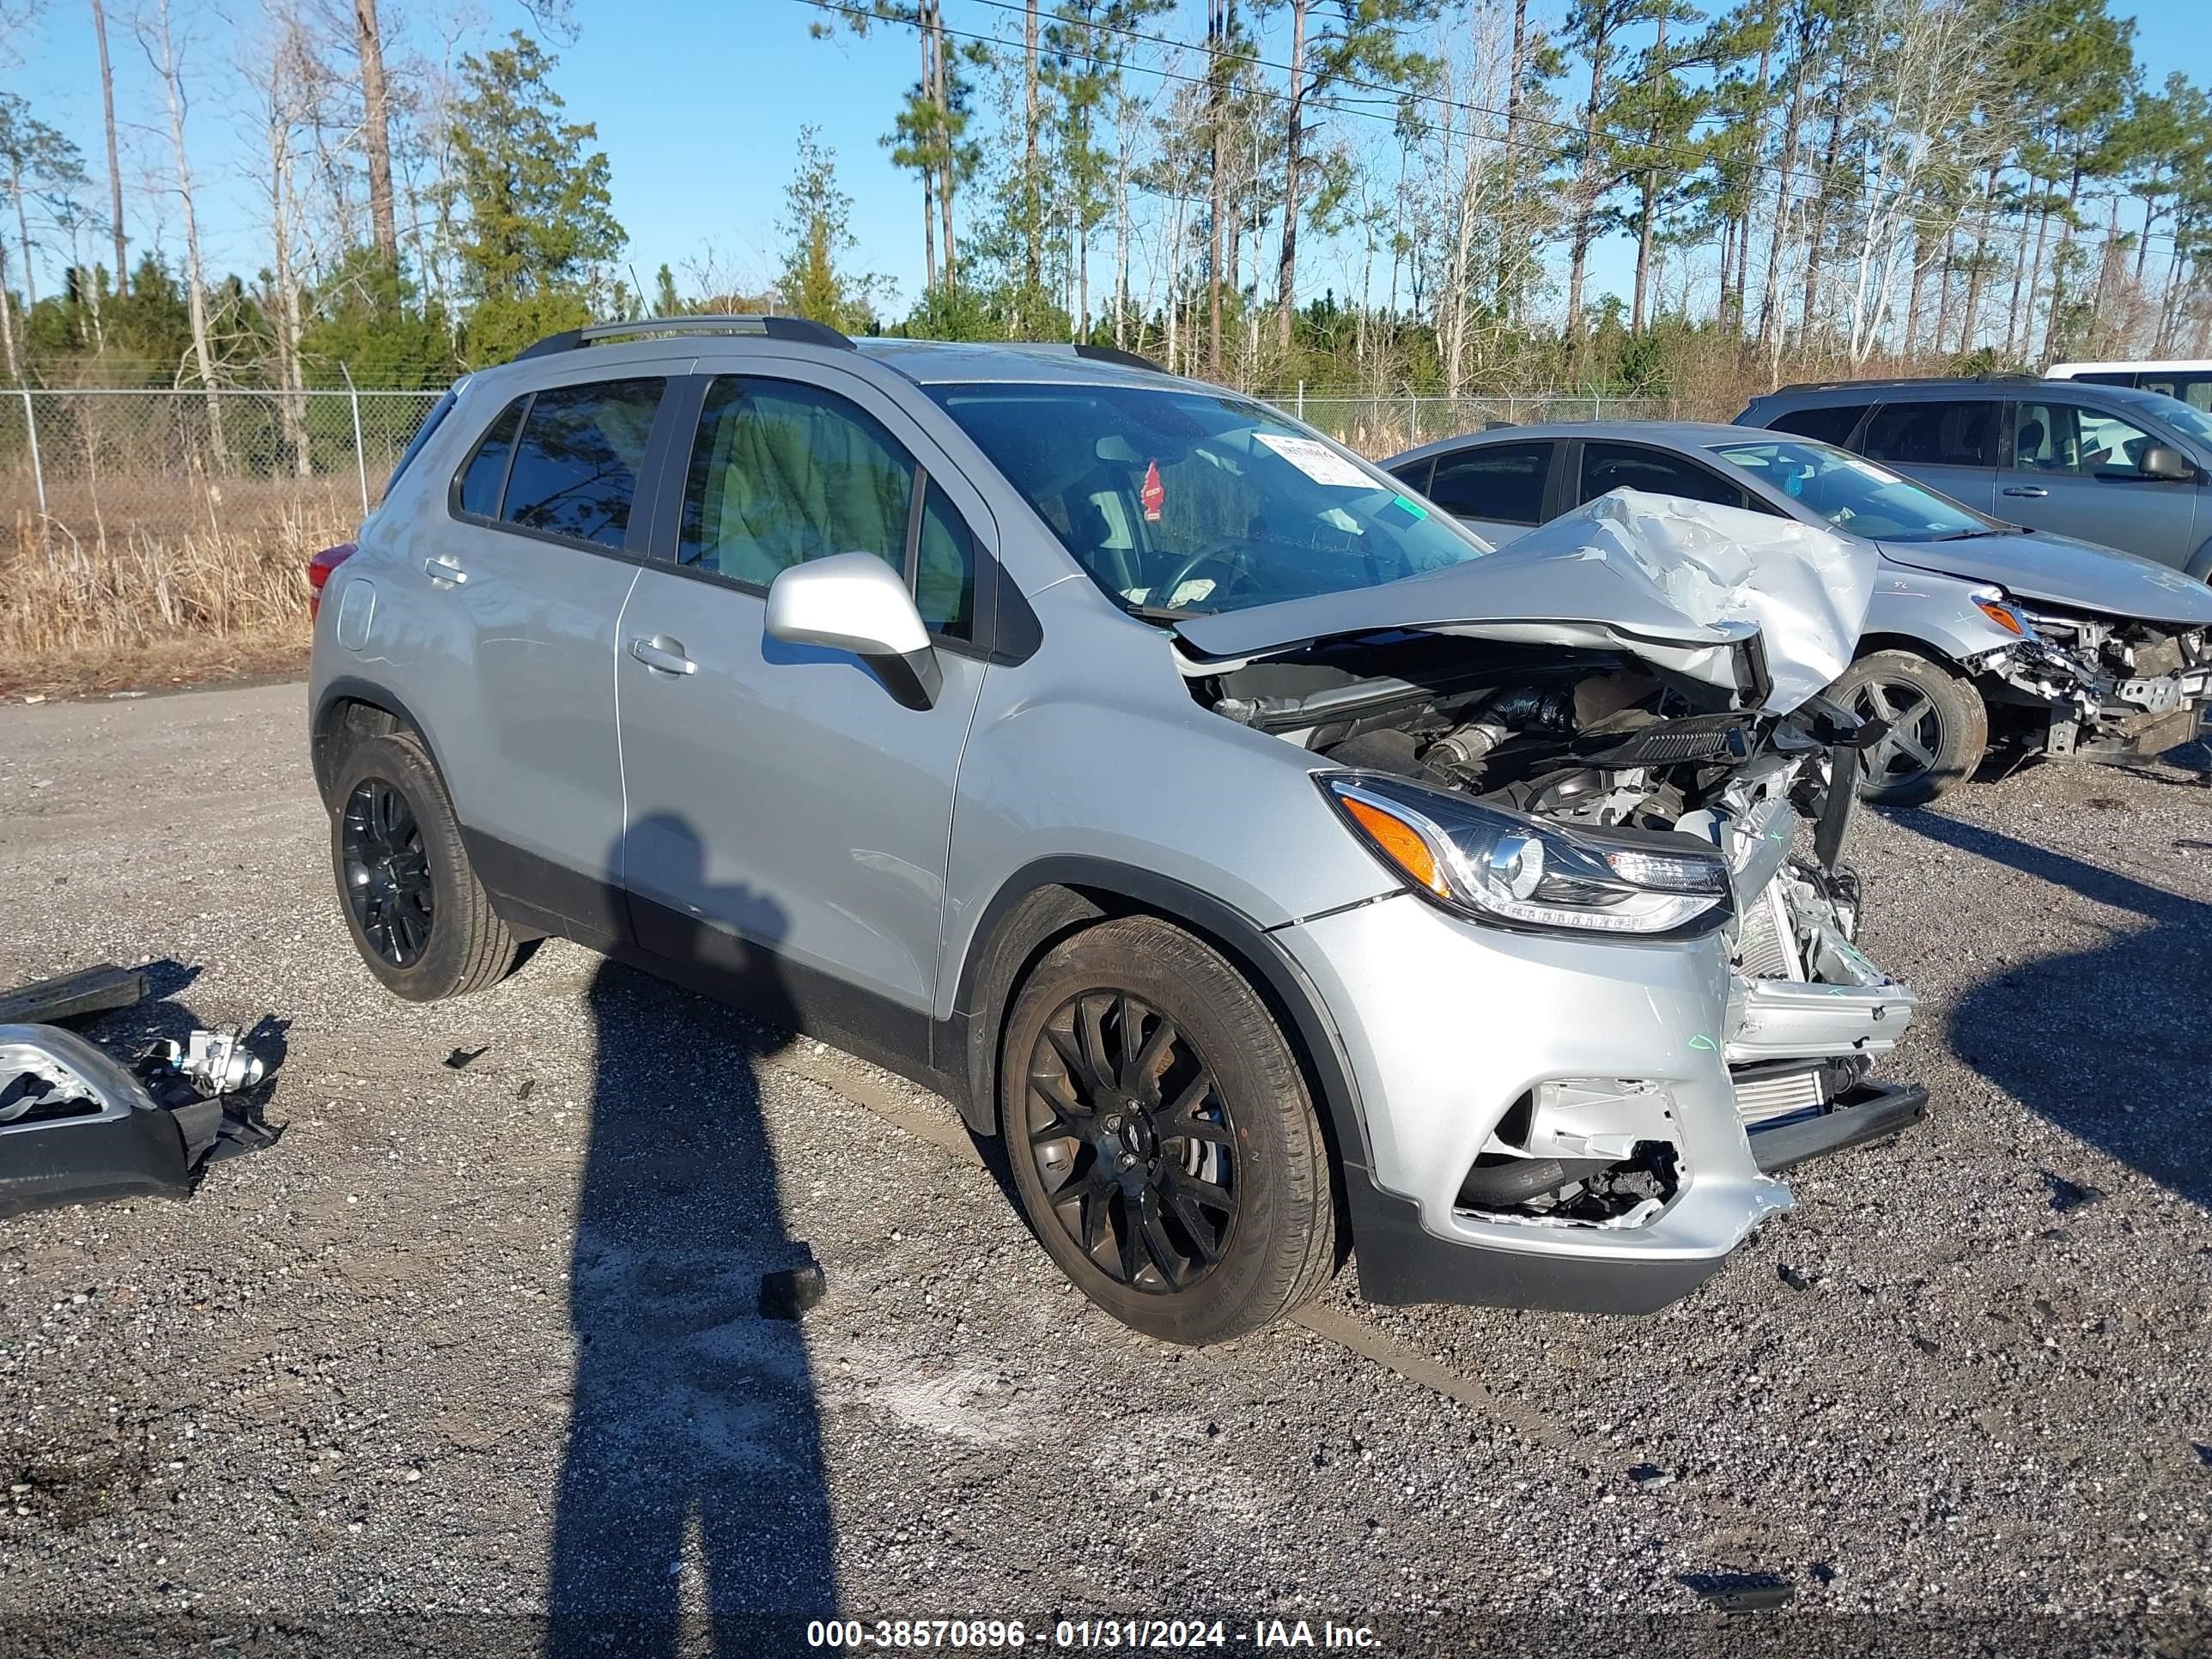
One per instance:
(1274, 867)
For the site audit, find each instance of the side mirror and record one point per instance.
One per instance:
(2166, 464)
(855, 602)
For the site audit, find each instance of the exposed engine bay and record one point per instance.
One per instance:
(1603, 740)
(2095, 687)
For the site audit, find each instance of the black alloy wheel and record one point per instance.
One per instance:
(387, 873)
(1131, 1139)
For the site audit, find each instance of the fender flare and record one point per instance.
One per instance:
(1045, 900)
(353, 687)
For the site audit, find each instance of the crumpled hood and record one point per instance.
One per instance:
(2061, 570)
(1682, 584)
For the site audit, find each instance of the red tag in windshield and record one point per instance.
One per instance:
(1153, 496)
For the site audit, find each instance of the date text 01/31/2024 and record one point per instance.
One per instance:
(971, 1635)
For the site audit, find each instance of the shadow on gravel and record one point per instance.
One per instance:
(2109, 1044)
(693, 1483)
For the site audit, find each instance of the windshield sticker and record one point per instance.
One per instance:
(1154, 494)
(1196, 590)
(1316, 460)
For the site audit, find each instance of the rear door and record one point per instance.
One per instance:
(1499, 491)
(2072, 471)
(527, 576)
(788, 820)
(1948, 444)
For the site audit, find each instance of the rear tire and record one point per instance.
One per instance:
(1161, 1135)
(1938, 727)
(418, 915)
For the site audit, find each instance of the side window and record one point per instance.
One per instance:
(944, 569)
(2123, 377)
(783, 472)
(2067, 438)
(575, 466)
(1632, 466)
(1502, 482)
(1827, 423)
(2195, 389)
(1415, 476)
(1933, 434)
(486, 469)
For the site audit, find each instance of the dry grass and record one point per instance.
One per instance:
(100, 596)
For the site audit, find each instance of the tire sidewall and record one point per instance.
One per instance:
(1260, 1084)
(1965, 724)
(402, 764)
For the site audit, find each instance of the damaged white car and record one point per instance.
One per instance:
(1279, 870)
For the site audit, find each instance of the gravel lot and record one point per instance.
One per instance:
(483, 1341)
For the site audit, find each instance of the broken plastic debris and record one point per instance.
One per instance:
(790, 1292)
(1649, 1477)
(460, 1058)
(1792, 1278)
(1739, 1592)
(2068, 1194)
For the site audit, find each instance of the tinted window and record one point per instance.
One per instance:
(1831, 424)
(2108, 378)
(2195, 389)
(1501, 481)
(1415, 478)
(1184, 500)
(944, 569)
(782, 473)
(2056, 437)
(486, 469)
(1632, 466)
(431, 422)
(1933, 434)
(575, 470)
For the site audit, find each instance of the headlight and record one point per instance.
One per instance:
(1500, 867)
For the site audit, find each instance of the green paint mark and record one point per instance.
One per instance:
(1413, 507)
(1703, 1044)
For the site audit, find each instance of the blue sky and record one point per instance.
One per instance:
(697, 104)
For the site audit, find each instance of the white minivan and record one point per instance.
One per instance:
(2188, 379)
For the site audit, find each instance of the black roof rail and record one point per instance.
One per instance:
(798, 331)
(1099, 353)
(1988, 377)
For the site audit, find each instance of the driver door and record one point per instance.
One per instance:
(788, 820)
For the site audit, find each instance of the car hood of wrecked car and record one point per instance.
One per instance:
(1681, 583)
(2060, 570)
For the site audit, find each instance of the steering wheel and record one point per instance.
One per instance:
(1235, 558)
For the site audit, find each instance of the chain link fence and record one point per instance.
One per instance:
(91, 466)
(1381, 424)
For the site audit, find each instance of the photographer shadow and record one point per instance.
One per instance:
(693, 1512)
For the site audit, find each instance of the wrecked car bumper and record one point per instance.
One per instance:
(1461, 1039)
(2092, 698)
(78, 1127)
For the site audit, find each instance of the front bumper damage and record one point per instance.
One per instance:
(2090, 690)
(1665, 1083)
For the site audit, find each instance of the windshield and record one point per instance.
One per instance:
(1854, 495)
(2190, 419)
(1192, 501)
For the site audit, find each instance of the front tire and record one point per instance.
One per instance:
(1162, 1137)
(1938, 727)
(418, 915)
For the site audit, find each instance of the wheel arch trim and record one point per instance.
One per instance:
(353, 688)
(1045, 900)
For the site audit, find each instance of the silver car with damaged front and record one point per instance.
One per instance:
(1257, 853)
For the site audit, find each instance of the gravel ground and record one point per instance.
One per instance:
(483, 1341)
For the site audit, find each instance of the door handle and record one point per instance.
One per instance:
(663, 655)
(444, 570)
(2036, 491)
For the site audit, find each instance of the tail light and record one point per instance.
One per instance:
(319, 573)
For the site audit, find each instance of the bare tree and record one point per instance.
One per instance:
(114, 164)
(159, 41)
(376, 129)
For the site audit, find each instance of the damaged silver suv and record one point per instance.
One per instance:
(1274, 867)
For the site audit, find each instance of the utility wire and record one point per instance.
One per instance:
(2004, 234)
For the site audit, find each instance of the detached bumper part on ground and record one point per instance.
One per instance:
(78, 1127)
